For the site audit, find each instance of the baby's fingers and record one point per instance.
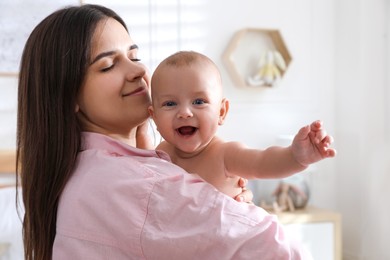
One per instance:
(318, 136)
(331, 152)
(318, 133)
(316, 125)
(245, 196)
(325, 148)
(242, 182)
(327, 140)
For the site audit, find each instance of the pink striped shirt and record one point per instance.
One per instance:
(126, 203)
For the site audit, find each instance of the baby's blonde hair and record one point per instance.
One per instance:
(185, 59)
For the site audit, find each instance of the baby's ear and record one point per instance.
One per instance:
(223, 111)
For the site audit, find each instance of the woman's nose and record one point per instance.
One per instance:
(135, 71)
(184, 112)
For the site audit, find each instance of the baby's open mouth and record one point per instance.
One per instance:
(187, 130)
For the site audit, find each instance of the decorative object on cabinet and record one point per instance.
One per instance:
(257, 57)
(318, 229)
(288, 197)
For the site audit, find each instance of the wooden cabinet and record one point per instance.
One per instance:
(318, 229)
(7, 169)
(7, 161)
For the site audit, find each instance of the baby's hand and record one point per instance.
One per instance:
(312, 144)
(246, 195)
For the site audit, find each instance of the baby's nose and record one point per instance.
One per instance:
(185, 112)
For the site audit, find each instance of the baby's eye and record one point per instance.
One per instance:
(169, 104)
(135, 59)
(199, 102)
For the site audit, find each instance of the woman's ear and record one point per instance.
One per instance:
(151, 111)
(77, 108)
(223, 111)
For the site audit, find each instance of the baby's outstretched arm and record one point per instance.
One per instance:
(312, 144)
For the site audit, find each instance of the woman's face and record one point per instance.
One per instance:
(114, 97)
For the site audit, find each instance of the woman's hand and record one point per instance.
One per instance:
(142, 138)
(246, 195)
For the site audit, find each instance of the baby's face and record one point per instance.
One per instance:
(187, 104)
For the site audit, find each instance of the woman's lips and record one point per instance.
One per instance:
(138, 91)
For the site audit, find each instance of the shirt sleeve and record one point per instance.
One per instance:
(190, 218)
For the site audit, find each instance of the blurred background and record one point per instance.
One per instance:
(338, 73)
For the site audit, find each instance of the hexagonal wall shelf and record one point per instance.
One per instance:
(257, 57)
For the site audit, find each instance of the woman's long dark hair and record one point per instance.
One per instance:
(54, 63)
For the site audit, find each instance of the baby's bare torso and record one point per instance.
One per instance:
(209, 164)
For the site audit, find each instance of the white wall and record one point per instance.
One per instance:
(361, 95)
(8, 103)
(337, 75)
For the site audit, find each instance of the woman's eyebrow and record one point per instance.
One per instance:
(110, 53)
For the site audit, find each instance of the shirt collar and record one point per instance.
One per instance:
(92, 140)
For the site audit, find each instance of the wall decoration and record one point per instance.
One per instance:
(16, 24)
(257, 57)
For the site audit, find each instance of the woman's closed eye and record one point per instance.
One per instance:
(108, 68)
(105, 69)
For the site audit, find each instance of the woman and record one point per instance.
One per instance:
(88, 192)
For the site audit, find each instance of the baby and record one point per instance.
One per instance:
(187, 108)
